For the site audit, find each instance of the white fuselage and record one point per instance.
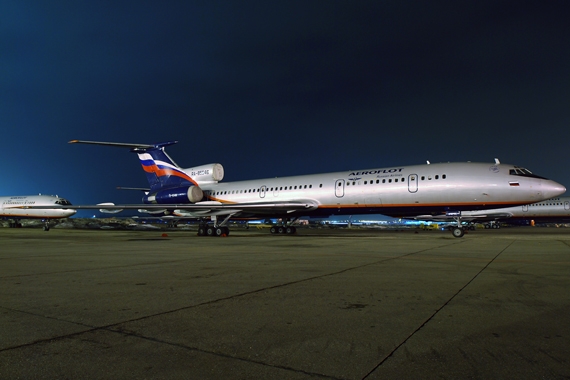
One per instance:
(396, 191)
(17, 207)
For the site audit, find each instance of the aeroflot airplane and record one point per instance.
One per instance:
(19, 207)
(397, 191)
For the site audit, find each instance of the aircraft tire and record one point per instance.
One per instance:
(280, 230)
(210, 231)
(201, 231)
(219, 231)
(290, 230)
(458, 232)
(226, 231)
(273, 230)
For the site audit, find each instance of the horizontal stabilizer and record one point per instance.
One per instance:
(124, 145)
(145, 189)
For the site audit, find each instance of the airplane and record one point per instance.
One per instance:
(397, 191)
(554, 210)
(15, 208)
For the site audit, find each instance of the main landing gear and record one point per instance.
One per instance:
(285, 227)
(207, 230)
(219, 230)
(289, 230)
(18, 224)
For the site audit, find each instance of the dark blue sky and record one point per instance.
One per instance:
(269, 89)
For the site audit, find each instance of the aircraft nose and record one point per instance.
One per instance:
(552, 189)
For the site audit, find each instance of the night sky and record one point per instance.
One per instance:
(278, 88)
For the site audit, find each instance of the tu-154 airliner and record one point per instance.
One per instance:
(398, 191)
(18, 207)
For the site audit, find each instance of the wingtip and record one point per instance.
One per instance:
(73, 141)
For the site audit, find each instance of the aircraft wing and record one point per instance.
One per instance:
(465, 216)
(206, 208)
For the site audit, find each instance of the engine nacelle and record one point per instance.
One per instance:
(206, 173)
(178, 195)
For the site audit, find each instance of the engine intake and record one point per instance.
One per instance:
(178, 195)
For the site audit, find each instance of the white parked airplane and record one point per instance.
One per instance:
(554, 210)
(18, 207)
(399, 191)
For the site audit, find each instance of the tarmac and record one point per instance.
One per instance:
(321, 304)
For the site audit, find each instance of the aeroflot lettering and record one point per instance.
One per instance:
(378, 171)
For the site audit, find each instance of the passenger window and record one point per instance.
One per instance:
(423, 178)
(443, 176)
(436, 177)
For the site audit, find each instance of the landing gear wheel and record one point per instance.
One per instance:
(210, 231)
(201, 230)
(273, 230)
(290, 230)
(219, 231)
(280, 230)
(226, 231)
(46, 228)
(458, 232)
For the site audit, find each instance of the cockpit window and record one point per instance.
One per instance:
(63, 202)
(522, 172)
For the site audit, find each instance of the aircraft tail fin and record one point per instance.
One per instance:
(161, 170)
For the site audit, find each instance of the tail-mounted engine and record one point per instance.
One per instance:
(178, 195)
(210, 173)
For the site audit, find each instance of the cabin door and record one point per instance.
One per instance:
(262, 191)
(413, 183)
(339, 188)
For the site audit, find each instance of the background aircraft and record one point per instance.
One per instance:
(397, 191)
(15, 208)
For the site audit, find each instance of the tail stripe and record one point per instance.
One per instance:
(163, 169)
